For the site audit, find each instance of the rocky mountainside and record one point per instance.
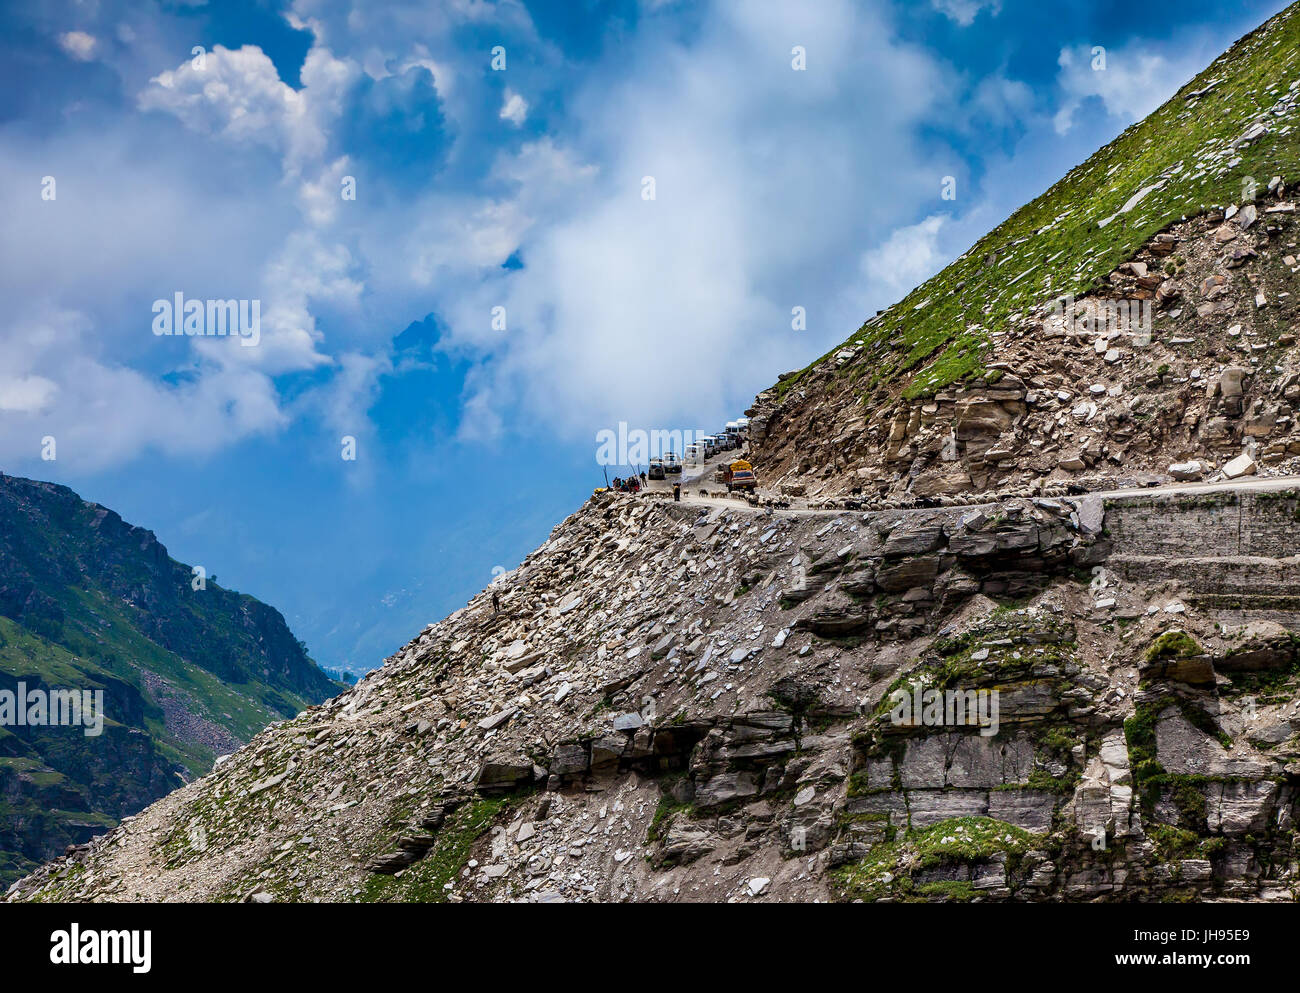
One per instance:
(938, 662)
(1141, 313)
(682, 702)
(89, 602)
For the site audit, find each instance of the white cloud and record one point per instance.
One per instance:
(1002, 101)
(964, 12)
(481, 420)
(514, 109)
(79, 45)
(343, 404)
(906, 258)
(237, 97)
(770, 185)
(764, 199)
(307, 271)
(382, 38)
(1131, 83)
(320, 197)
(110, 412)
(27, 394)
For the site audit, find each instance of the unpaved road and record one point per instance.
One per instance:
(696, 478)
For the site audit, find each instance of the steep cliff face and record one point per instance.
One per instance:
(89, 602)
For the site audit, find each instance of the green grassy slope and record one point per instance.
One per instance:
(1187, 156)
(88, 601)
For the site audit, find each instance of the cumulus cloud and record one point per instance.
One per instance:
(78, 44)
(1130, 82)
(342, 405)
(237, 96)
(80, 275)
(763, 200)
(769, 189)
(514, 109)
(307, 271)
(111, 412)
(26, 394)
(906, 258)
(1002, 101)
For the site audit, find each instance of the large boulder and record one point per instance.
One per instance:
(835, 615)
(1262, 645)
(908, 574)
(499, 776)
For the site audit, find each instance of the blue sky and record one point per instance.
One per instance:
(481, 188)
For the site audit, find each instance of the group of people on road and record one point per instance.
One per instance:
(633, 484)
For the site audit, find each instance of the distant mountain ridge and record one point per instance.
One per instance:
(91, 602)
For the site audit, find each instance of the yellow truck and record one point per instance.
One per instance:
(739, 475)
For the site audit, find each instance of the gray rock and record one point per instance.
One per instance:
(497, 719)
(628, 722)
(496, 775)
(607, 751)
(686, 841)
(725, 787)
(1242, 465)
(569, 760)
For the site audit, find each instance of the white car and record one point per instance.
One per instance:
(672, 463)
(695, 453)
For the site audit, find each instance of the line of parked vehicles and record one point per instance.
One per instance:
(730, 439)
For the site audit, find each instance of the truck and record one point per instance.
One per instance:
(739, 475)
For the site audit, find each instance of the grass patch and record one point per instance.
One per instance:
(426, 881)
(1173, 645)
(1070, 237)
(887, 868)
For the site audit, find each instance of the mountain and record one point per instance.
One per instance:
(961, 386)
(89, 602)
(984, 637)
